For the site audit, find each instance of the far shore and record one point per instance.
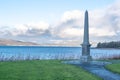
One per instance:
(103, 48)
(50, 46)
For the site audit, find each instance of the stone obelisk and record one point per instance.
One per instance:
(86, 45)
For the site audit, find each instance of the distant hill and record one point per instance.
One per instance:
(8, 42)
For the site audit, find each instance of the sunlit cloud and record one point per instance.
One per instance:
(103, 23)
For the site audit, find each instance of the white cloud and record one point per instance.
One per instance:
(31, 29)
(103, 23)
(101, 32)
(40, 25)
(71, 15)
(70, 33)
(18, 30)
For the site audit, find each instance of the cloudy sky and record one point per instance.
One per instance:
(59, 21)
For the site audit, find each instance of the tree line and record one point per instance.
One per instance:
(112, 44)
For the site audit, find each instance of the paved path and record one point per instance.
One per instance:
(97, 68)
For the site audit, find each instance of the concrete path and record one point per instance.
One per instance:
(97, 68)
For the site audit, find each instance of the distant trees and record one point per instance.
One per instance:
(109, 44)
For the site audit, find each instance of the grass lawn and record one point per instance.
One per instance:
(42, 70)
(115, 67)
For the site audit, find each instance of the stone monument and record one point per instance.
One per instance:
(86, 45)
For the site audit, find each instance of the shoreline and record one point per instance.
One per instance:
(53, 46)
(104, 48)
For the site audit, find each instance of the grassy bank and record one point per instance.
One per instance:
(115, 67)
(42, 70)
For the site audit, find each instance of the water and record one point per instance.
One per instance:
(53, 52)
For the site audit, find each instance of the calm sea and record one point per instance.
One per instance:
(53, 52)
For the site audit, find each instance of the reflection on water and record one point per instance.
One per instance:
(52, 52)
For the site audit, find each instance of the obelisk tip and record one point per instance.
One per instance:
(86, 11)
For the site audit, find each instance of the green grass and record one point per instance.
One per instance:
(112, 61)
(114, 67)
(42, 70)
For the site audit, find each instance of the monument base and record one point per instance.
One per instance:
(85, 58)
